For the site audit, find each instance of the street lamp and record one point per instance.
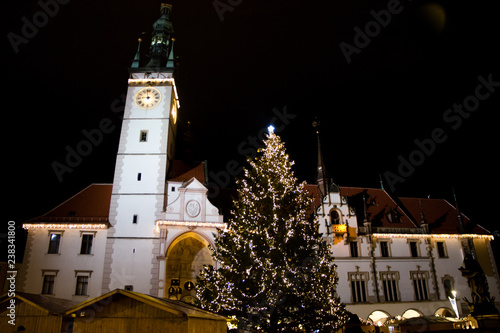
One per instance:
(453, 302)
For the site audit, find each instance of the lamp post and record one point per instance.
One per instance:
(453, 301)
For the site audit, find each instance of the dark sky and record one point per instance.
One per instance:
(235, 67)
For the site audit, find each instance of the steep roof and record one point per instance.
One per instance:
(182, 171)
(178, 308)
(441, 216)
(49, 304)
(91, 205)
(381, 208)
(385, 211)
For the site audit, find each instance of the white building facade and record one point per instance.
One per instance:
(401, 257)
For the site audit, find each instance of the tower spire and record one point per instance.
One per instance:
(321, 177)
(137, 58)
(161, 40)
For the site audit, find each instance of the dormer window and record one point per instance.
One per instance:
(393, 216)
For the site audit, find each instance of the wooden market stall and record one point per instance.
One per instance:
(34, 313)
(127, 311)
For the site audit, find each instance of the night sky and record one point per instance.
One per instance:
(246, 62)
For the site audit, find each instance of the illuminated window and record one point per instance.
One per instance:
(174, 111)
(54, 242)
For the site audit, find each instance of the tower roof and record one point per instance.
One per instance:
(162, 41)
(322, 178)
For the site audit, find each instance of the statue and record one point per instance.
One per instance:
(482, 303)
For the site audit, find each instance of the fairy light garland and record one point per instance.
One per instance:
(270, 250)
(445, 236)
(32, 226)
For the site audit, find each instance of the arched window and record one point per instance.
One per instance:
(335, 217)
(448, 287)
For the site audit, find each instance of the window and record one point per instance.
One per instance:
(86, 247)
(335, 216)
(129, 287)
(358, 283)
(419, 280)
(441, 249)
(143, 136)
(134, 219)
(390, 285)
(139, 176)
(449, 286)
(384, 248)
(393, 216)
(82, 283)
(48, 284)
(413, 248)
(354, 249)
(54, 242)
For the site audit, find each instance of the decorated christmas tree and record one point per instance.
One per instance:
(274, 273)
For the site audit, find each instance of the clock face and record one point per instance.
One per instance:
(148, 98)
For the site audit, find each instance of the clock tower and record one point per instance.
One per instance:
(146, 148)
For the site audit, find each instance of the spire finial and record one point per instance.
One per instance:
(461, 227)
(381, 182)
(423, 222)
(422, 215)
(137, 58)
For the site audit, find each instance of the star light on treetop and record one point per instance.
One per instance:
(271, 129)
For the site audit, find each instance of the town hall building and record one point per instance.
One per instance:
(151, 230)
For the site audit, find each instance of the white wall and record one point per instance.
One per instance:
(66, 262)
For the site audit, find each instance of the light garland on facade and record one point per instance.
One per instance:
(157, 81)
(32, 226)
(448, 236)
(220, 225)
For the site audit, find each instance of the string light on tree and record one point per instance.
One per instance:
(274, 271)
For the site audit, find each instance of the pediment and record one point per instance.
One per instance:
(193, 185)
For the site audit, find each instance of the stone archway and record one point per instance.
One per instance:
(185, 258)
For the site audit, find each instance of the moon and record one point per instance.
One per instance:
(433, 16)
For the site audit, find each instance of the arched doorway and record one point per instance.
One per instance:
(412, 313)
(378, 317)
(185, 258)
(445, 312)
